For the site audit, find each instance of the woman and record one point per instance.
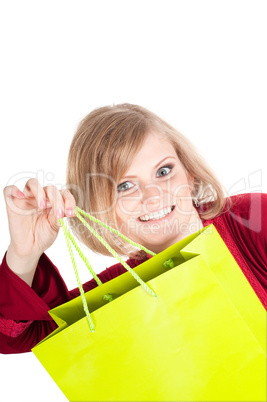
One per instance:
(132, 170)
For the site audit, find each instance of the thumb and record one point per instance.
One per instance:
(54, 217)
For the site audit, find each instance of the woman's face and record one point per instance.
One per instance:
(154, 206)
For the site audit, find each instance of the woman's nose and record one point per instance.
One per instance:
(151, 196)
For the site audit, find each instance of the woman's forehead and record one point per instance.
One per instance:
(154, 149)
(155, 142)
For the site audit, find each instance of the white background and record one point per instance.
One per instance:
(201, 65)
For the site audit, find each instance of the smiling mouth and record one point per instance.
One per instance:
(162, 213)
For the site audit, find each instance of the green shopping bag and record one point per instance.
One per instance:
(203, 338)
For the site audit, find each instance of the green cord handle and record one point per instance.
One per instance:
(116, 255)
(70, 239)
(111, 229)
(85, 306)
(81, 254)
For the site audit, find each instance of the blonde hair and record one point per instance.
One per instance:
(101, 151)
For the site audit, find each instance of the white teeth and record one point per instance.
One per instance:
(157, 215)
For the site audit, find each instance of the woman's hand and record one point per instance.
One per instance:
(33, 218)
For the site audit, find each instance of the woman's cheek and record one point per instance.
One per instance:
(183, 198)
(127, 206)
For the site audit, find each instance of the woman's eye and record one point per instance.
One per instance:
(124, 186)
(164, 171)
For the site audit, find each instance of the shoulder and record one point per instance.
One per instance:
(250, 210)
(244, 202)
(245, 213)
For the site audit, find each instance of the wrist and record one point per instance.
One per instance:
(19, 262)
(22, 254)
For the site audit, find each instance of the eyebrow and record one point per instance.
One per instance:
(158, 164)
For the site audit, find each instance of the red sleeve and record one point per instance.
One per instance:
(24, 318)
(249, 221)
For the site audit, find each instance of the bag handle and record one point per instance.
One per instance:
(70, 239)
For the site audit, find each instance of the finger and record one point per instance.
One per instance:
(34, 190)
(13, 198)
(13, 191)
(69, 202)
(57, 203)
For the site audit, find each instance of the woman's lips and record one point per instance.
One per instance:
(169, 215)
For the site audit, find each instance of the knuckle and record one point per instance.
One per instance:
(64, 191)
(32, 182)
(52, 191)
(6, 189)
(9, 189)
(50, 187)
(67, 194)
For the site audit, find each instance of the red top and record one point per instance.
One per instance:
(24, 318)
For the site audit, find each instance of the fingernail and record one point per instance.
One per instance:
(60, 213)
(43, 204)
(69, 211)
(20, 194)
